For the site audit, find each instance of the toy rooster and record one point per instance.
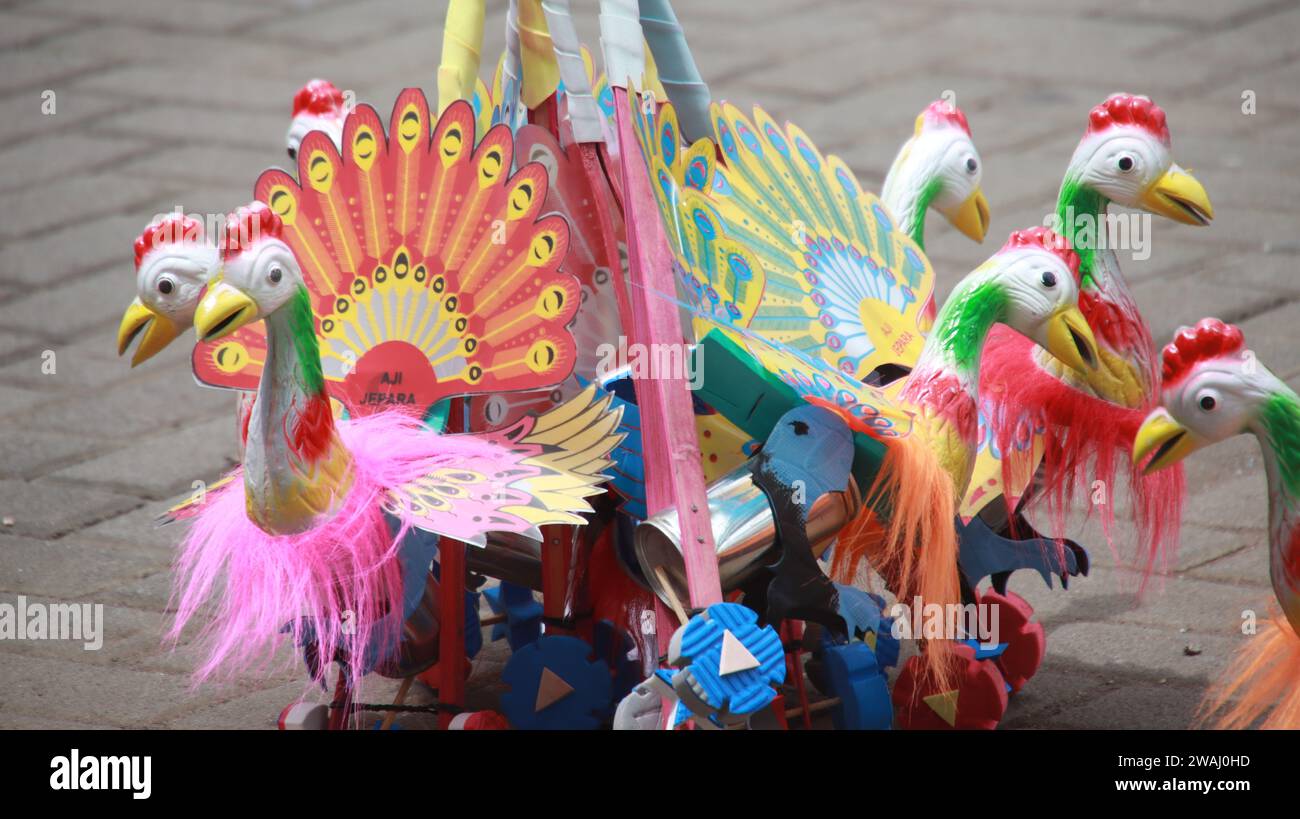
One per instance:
(318, 106)
(327, 509)
(1213, 388)
(1124, 157)
(1030, 285)
(937, 168)
(173, 262)
(726, 226)
(323, 506)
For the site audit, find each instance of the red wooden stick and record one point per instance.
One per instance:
(451, 631)
(451, 606)
(555, 574)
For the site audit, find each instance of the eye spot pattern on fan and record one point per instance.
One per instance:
(430, 268)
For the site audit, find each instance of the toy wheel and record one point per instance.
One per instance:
(977, 703)
(556, 684)
(1026, 641)
(304, 716)
(852, 675)
(479, 721)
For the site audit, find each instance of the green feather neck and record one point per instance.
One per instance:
(1078, 199)
(302, 330)
(928, 193)
(1281, 419)
(965, 321)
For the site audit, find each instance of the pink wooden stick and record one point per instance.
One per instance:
(671, 451)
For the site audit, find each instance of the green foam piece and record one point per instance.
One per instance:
(753, 398)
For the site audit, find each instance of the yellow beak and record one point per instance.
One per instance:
(1179, 196)
(972, 216)
(223, 310)
(1070, 339)
(1170, 440)
(159, 331)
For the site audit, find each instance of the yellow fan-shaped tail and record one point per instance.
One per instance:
(782, 240)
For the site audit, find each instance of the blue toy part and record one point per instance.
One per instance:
(984, 553)
(810, 448)
(887, 645)
(853, 674)
(549, 666)
(860, 610)
(985, 651)
(697, 649)
(523, 613)
(628, 469)
(864, 614)
(616, 647)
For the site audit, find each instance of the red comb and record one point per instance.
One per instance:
(173, 228)
(942, 111)
(246, 226)
(1129, 109)
(1210, 338)
(317, 97)
(1048, 240)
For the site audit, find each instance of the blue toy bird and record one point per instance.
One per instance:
(809, 453)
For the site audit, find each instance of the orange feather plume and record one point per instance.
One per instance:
(915, 549)
(1261, 683)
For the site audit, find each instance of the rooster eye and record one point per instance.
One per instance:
(971, 165)
(1049, 279)
(1208, 403)
(166, 286)
(276, 274)
(1125, 163)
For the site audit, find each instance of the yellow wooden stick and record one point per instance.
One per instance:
(398, 700)
(541, 70)
(462, 46)
(673, 602)
(820, 705)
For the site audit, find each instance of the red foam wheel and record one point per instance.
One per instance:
(1026, 641)
(976, 703)
(479, 721)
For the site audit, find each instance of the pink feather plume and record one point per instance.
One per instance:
(253, 583)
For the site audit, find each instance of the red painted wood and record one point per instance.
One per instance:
(792, 633)
(341, 705)
(451, 607)
(556, 542)
(451, 638)
(674, 477)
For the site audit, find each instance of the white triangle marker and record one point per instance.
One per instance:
(735, 657)
(550, 690)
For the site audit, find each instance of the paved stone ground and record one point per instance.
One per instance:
(180, 102)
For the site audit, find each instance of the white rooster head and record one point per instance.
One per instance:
(939, 168)
(1035, 279)
(1213, 388)
(173, 262)
(259, 274)
(1125, 157)
(318, 106)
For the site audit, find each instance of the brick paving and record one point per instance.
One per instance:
(182, 102)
